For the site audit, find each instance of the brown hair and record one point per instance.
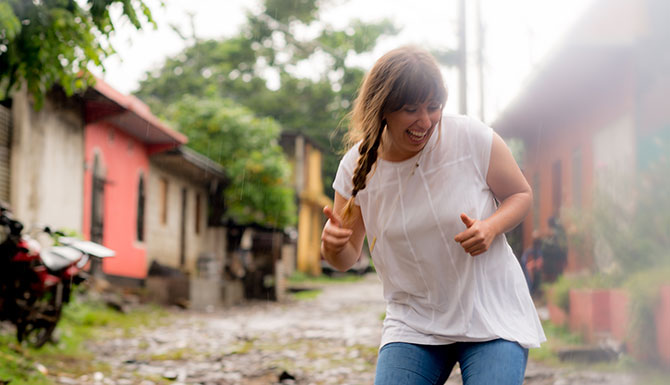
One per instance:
(405, 75)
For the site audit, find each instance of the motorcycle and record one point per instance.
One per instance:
(36, 282)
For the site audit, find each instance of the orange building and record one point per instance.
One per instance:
(589, 116)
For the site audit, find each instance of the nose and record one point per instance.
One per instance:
(424, 120)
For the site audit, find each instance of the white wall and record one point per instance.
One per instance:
(47, 163)
(163, 240)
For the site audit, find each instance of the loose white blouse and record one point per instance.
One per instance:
(435, 292)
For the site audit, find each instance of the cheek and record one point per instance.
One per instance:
(398, 123)
(435, 117)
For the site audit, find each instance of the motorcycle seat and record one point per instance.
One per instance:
(59, 257)
(88, 247)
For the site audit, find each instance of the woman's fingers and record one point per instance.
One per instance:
(476, 250)
(339, 232)
(473, 244)
(334, 241)
(476, 253)
(334, 218)
(476, 247)
(476, 238)
(333, 236)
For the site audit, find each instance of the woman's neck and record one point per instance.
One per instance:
(390, 153)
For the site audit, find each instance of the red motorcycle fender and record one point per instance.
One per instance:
(70, 272)
(46, 280)
(24, 254)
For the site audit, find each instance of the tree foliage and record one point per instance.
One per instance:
(263, 68)
(247, 148)
(47, 42)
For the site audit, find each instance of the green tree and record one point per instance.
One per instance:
(258, 68)
(47, 42)
(247, 148)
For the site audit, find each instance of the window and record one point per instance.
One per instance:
(140, 209)
(197, 213)
(164, 200)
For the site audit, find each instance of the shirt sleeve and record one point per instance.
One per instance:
(343, 183)
(481, 140)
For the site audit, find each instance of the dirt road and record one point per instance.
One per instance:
(330, 339)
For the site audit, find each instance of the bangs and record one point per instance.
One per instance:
(415, 85)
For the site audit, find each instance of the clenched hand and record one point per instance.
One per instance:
(334, 237)
(477, 236)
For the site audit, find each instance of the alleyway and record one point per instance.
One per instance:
(331, 339)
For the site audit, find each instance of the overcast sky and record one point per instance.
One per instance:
(518, 35)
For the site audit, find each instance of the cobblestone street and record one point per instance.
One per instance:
(331, 339)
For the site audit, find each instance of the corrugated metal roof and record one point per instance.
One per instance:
(128, 113)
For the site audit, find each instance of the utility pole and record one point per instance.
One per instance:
(463, 61)
(480, 59)
(481, 39)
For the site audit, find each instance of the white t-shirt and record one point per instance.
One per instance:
(435, 292)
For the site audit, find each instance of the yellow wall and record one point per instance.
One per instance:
(310, 214)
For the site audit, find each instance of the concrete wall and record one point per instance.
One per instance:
(163, 239)
(47, 162)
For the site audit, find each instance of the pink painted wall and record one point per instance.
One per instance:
(580, 318)
(619, 305)
(123, 158)
(663, 326)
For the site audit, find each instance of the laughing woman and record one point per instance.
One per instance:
(424, 187)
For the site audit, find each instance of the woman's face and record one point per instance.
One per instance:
(409, 128)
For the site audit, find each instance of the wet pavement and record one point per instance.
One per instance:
(330, 339)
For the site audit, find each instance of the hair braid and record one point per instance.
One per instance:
(367, 159)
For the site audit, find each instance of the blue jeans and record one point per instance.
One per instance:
(497, 362)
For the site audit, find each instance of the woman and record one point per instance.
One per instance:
(424, 189)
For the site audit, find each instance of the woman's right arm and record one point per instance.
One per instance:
(341, 246)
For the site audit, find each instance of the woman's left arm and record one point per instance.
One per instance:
(512, 191)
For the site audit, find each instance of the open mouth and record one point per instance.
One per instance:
(417, 136)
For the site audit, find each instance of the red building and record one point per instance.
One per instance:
(590, 115)
(119, 136)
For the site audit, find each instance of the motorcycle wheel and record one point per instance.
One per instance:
(37, 328)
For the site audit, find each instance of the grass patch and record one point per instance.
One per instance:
(306, 295)
(244, 348)
(300, 278)
(557, 338)
(81, 321)
(173, 355)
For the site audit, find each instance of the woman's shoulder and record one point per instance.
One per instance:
(455, 118)
(350, 157)
(352, 152)
(464, 122)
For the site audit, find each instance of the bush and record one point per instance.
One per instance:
(644, 290)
